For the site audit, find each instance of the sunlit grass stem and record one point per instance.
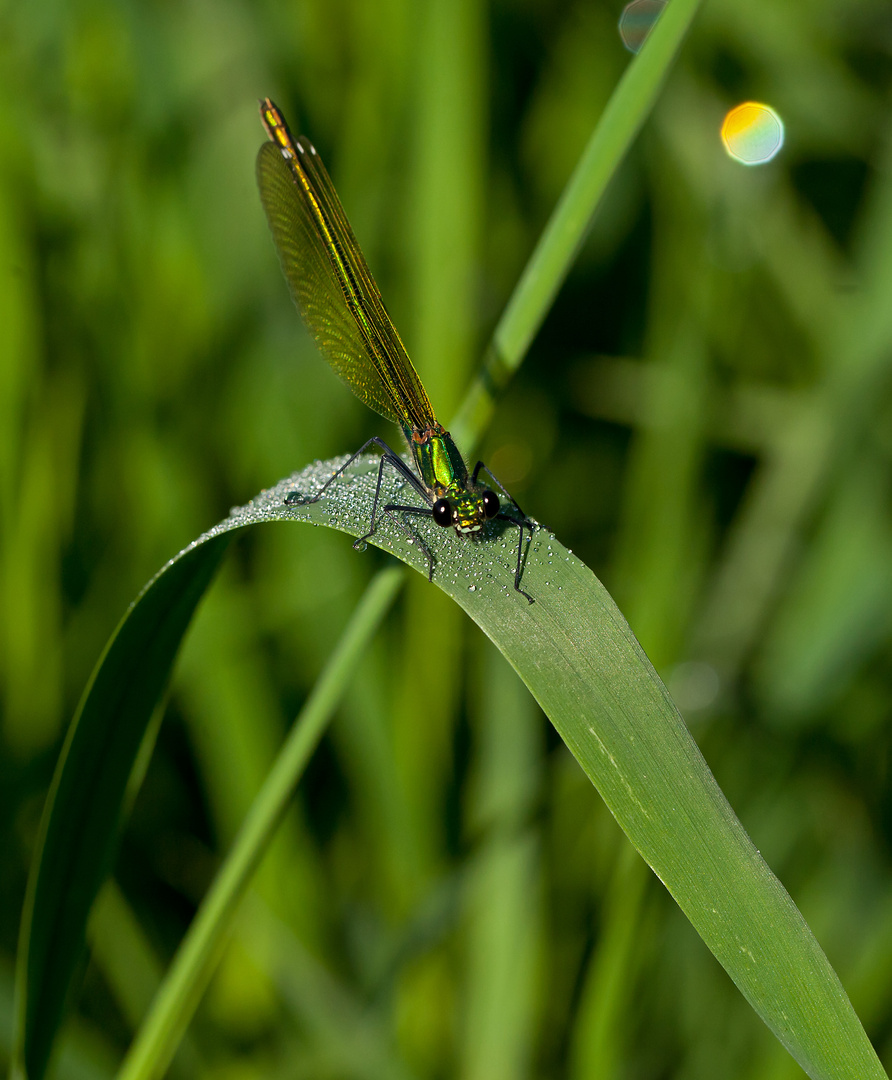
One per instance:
(194, 962)
(626, 111)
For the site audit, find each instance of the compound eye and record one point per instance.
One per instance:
(491, 504)
(442, 511)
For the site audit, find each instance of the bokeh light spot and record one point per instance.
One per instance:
(637, 21)
(694, 685)
(752, 133)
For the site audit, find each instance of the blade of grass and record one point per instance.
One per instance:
(82, 815)
(600, 1033)
(502, 895)
(565, 232)
(577, 655)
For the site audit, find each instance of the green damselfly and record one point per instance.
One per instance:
(341, 306)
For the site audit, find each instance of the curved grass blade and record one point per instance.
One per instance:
(578, 657)
(83, 811)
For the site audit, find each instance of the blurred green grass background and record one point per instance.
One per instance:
(704, 418)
